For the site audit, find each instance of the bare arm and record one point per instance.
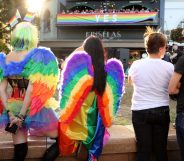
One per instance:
(129, 80)
(27, 99)
(174, 83)
(26, 103)
(3, 93)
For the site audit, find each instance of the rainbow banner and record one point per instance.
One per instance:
(111, 18)
(18, 14)
(29, 17)
(13, 21)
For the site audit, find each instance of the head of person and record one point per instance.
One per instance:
(155, 42)
(175, 47)
(94, 47)
(24, 37)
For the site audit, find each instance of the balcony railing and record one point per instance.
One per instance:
(107, 19)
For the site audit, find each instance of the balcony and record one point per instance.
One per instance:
(108, 19)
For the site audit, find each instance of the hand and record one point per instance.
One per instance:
(179, 85)
(15, 120)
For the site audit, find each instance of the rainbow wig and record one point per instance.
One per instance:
(24, 36)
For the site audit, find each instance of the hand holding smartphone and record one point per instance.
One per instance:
(13, 129)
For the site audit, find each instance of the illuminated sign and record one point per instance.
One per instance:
(118, 18)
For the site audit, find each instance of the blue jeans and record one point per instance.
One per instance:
(151, 129)
(180, 132)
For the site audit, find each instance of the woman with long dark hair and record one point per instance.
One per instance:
(91, 92)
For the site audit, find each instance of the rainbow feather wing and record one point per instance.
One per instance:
(109, 103)
(42, 70)
(2, 66)
(76, 83)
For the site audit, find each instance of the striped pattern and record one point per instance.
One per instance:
(76, 83)
(42, 71)
(13, 21)
(80, 118)
(41, 68)
(109, 103)
(2, 64)
(18, 14)
(118, 18)
(29, 17)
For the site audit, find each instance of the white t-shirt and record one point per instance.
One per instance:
(150, 78)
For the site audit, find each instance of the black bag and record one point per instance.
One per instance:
(13, 129)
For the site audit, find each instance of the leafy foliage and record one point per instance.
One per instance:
(176, 35)
(5, 13)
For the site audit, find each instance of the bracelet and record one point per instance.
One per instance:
(20, 116)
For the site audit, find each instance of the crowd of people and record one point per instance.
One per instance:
(101, 11)
(86, 82)
(90, 92)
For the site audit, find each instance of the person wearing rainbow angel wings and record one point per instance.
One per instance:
(91, 92)
(32, 74)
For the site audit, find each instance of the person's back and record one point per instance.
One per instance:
(87, 83)
(176, 86)
(150, 102)
(150, 83)
(28, 72)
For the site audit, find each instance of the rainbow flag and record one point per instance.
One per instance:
(118, 18)
(18, 14)
(13, 21)
(29, 17)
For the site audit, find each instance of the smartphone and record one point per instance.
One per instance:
(13, 129)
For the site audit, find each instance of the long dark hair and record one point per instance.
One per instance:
(94, 47)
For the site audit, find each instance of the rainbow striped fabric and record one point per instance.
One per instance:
(42, 70)
(110, 101)
(76, 75)
(13, 21)
(40, 67)
(18, 14)
(29, 17)
(118, 18)
(82, 119)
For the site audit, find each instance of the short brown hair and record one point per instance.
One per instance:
(153, 40)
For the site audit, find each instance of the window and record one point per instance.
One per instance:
(46, 21)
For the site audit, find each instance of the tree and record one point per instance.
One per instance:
(8, 9)
(5, 13)
(177, 35)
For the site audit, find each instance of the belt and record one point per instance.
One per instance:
(153, 110)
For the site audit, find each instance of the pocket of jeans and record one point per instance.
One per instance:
(164, 117)
(138, 117)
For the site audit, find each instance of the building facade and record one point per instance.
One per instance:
(119, 23)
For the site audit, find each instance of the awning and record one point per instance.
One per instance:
(107, 43)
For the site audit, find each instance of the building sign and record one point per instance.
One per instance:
(110, 18)
(112, 35)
